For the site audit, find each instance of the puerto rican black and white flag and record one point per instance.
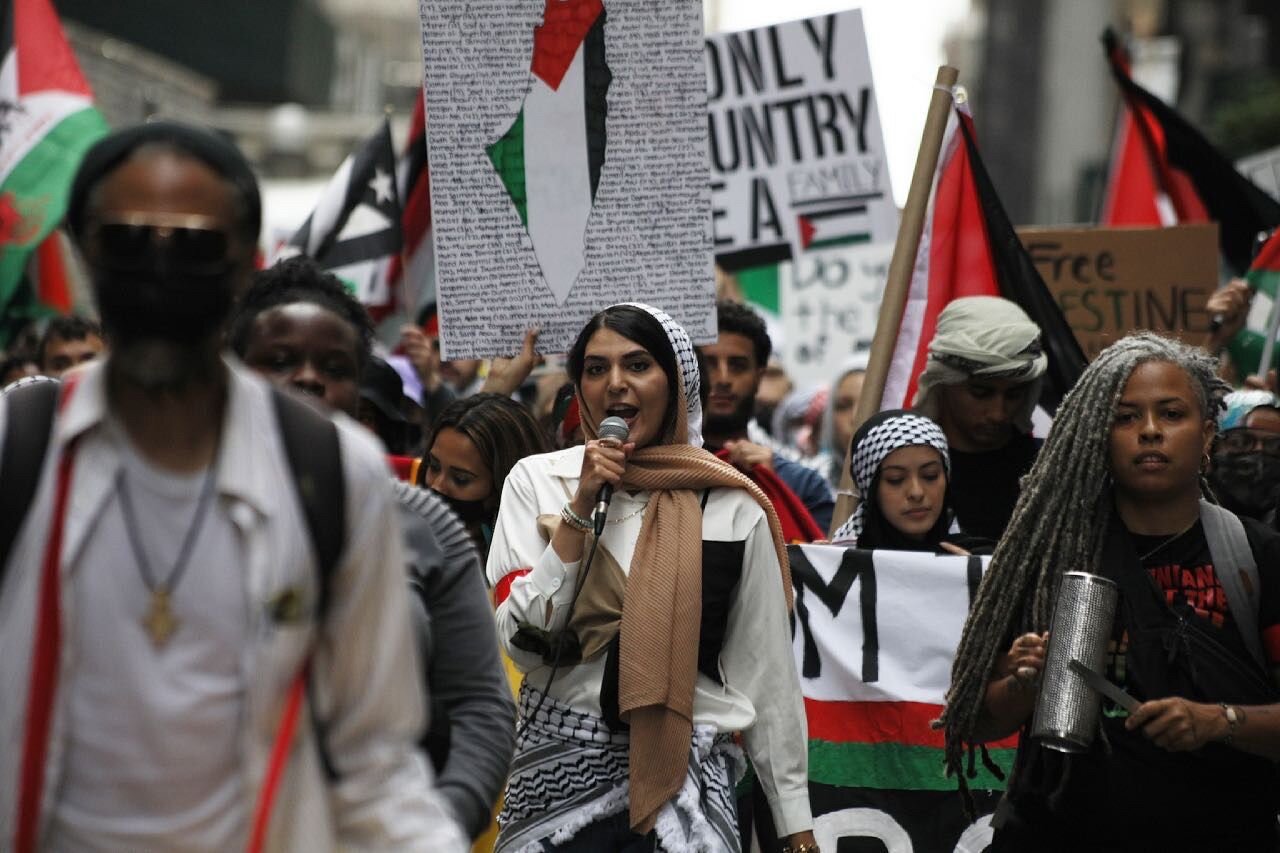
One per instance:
(354, 231)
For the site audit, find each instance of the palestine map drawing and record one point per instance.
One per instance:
(540, 213)
(549, 159)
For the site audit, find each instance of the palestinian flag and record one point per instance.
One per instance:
(968, 247)
(550, 171)
(354, 231)
(1133, 198)
(844, 225)
(874, 640)
(412, 272)
(1264, 280)
(1165, 172)
(47, 122)
(52, 272)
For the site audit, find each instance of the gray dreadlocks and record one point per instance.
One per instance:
(1059, 523)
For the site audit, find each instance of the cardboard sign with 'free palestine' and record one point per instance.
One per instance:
(1113, 281)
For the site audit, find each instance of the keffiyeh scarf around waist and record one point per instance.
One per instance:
(570, 771)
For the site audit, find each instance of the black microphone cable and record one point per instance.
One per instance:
(614, 428)
(557, 640)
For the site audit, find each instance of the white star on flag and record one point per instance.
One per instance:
(381, 186)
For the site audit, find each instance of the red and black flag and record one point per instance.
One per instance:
(1021, 282)
(1164, 172)
(968, 248)
(413, 270)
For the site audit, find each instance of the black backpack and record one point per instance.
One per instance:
(310, 443)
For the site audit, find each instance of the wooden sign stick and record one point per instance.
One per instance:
(898, 283)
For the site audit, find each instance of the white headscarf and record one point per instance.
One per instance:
(988, 337)
(687, 361)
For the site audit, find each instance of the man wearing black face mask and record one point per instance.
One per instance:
(1245, 474)
(163, 620)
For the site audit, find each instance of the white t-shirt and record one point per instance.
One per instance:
(153, 733)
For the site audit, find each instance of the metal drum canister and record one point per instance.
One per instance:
(1066, 716)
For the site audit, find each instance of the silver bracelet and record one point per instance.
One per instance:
(1233, 720)
(574, 520)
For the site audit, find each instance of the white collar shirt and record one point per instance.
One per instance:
(365, 683)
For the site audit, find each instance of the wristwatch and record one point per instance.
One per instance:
(803, 848)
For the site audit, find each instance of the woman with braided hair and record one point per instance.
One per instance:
(1117, 491)
(645, 648)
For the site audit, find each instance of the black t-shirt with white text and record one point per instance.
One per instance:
(1142, 797)
(1182, 568)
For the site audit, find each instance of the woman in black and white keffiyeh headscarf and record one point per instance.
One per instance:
(869, 527)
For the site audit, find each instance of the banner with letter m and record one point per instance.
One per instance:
(874, 638)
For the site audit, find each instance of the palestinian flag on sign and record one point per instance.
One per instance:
(845, 225)
(354, 231)
(968, 247)
(1165, 172)
(47, 122)
(549, 160)
(1264, 280)
(875, 635)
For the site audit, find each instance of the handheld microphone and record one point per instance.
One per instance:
(614, 431)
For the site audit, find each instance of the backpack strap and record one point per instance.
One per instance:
(315, 458)
(1237, 571)
(30, 408)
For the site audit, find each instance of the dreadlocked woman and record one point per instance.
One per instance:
(646, 648)
(1116, 491)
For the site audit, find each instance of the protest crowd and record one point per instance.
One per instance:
(272, 579)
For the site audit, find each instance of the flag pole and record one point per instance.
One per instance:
(1268, 348)
(898, 283)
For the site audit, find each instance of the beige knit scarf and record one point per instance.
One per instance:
(658, 655)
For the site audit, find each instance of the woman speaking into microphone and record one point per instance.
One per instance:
(644, 649)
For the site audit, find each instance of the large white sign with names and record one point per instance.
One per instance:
(568, 147)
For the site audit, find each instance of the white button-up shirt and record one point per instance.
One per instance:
(365, 678)
(760, 694)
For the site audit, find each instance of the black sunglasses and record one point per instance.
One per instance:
(144, 242)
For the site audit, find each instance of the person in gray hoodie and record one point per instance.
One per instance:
(298, 326)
